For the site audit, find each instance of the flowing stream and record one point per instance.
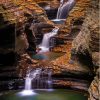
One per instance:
(44, 46)
(63, 11)
(61, 3)
(65, 8)
(62, 14)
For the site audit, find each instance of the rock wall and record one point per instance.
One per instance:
(66, 34)
(7, 44)
(86, 45)
(89, 31)
(7, 30)
(72, 26)
(13, 39)
(94, 87)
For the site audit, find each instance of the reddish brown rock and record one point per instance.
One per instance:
(88, 40)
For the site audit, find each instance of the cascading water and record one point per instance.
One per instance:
(61, 3)
(28, 82)
(64, 9)
(46, 38)
(31, 76)
(62, 13)
(44, 80)
(59, 20)
(50, 81)
(41, 79)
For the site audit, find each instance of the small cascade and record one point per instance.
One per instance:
(40, 78)
(58, 13)
(46, 39)
(50, 88)
(64, 9)
(44, 80)
(28, 83)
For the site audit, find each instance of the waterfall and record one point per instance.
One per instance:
(31, 76)
(28, 82)
(61, 3)
(50, 88)
(28, 87)
(46, 38)
(64, 9)
(42, 80)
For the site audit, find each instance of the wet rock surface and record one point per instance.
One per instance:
(77, 38)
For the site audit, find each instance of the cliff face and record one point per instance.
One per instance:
(66, 34)
(89, 34)
(7, 30)
(13, 39)
(86, 45)
(19, 13)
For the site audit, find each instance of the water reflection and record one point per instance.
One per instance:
(46, 95)
(47, 56)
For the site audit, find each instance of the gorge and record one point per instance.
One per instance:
(49, 49)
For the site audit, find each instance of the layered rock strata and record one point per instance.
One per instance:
(14, 41)
(67, 34)
(88, 40)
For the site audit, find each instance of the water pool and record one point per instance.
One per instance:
(60, 94)
(47, 56)
(58, 21)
